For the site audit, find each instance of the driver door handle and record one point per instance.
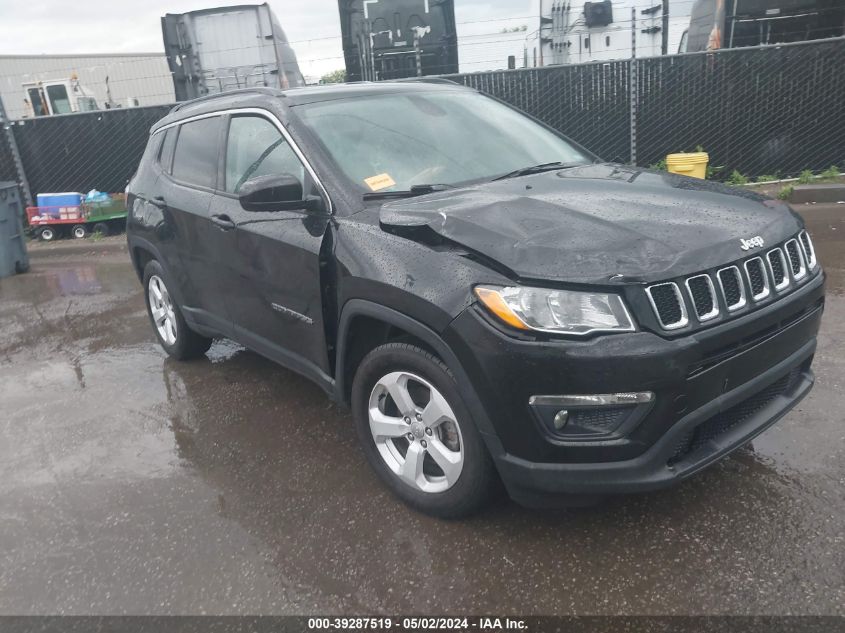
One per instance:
(223, 222)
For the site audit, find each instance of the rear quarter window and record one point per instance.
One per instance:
(165, 153)
(151, 151)
(195, 158)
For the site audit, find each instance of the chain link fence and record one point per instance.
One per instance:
(8, 169)
(89, 150)
(766, 111)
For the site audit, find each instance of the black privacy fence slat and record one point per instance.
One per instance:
(773, 110)
(759, 111)
(8, 171)
(588, 102)
(90, 150)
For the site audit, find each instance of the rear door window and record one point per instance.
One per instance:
(195, 159)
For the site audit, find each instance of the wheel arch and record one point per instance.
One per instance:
(141, 252)
(381, 319)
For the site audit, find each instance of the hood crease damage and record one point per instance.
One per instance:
(588, 224)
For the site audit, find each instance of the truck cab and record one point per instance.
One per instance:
(58, 96)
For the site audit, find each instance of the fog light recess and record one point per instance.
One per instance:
(590, 417)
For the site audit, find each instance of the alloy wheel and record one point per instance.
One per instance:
(416, 432)
(161, 307)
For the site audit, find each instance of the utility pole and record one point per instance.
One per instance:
(664, 44)
(417, 57)
(16, 157)
(540, 33)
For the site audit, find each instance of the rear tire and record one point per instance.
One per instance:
(46, 234)
(433, 426)
(169, 326)
(79, 231)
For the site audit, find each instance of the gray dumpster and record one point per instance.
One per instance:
(13, 257)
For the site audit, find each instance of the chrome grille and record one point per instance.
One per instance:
(796, 259)
(777, 266)
(703, 297)
(758, 281)
(751, 281)
(732, 288)
(668, 305)
(809, 249)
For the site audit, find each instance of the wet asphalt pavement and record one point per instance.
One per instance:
(130, 483)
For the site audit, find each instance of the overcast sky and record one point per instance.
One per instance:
(92, 26)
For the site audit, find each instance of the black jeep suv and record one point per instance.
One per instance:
(494, 302)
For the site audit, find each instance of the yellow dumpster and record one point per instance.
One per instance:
(693, 164)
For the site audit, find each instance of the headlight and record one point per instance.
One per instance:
(557, 311)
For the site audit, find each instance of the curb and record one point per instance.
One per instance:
(73, 247)
(818, 193)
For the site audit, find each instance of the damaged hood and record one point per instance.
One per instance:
(588, 224)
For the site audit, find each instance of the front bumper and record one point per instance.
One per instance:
(715, 391)
(657, 468)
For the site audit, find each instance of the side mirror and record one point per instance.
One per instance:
(277, 192)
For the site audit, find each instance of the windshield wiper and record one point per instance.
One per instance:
(536, 169)
(415, 190)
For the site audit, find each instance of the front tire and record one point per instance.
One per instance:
(169, 326)
(417, 432)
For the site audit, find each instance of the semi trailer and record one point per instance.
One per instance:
(392, 39)
(216, 50)
(716, 24)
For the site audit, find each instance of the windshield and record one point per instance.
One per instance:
(393, 142)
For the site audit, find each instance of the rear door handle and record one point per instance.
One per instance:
(159, 202)
(224, 222)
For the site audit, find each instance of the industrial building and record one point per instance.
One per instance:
(575, 32)
(32, 85)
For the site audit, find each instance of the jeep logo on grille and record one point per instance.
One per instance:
(753, 242)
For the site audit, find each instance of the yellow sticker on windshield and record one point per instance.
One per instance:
(377, 183)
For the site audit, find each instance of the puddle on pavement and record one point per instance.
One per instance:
(254, 481)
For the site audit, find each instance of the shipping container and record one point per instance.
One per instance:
(391, 39)
(216, 50)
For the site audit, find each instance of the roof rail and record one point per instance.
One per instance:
(426, 80)
(275, 92)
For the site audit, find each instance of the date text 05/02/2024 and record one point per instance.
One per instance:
(492, 624)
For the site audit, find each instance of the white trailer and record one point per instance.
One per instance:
(216, 50)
